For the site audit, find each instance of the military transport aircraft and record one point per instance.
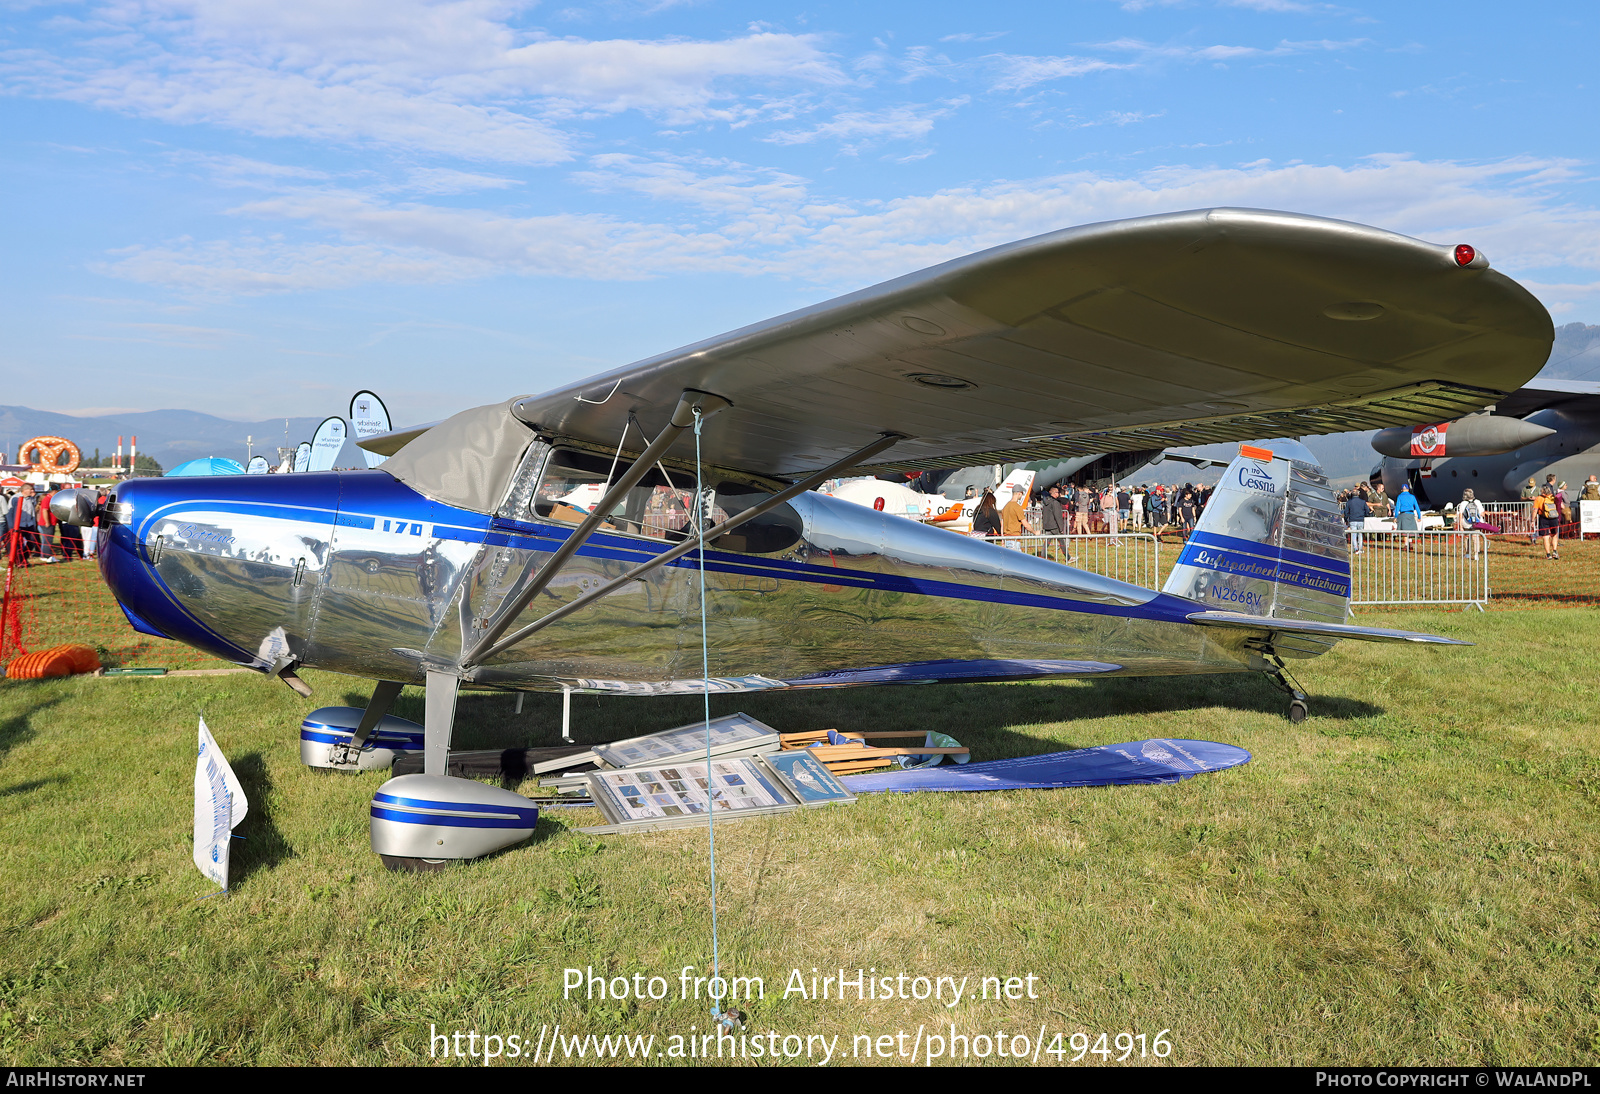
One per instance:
(454, 564)
(1548, 427)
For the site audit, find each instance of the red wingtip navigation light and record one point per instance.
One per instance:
(1465, 254)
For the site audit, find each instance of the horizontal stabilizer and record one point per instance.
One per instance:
(387, 444)
(1242, 622)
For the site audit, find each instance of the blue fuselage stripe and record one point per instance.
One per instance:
(465, 526)
(1266, 550)
(1264, 569)
(410, 742)
(469, 807)
(441, 821)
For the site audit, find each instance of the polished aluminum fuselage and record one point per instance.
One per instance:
(355, 572)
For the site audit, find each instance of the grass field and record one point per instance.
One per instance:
(1410, 876)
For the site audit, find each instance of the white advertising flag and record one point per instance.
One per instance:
(326, 443)
(219, 806)
(256, 466)
(369, 417)
(302, 456)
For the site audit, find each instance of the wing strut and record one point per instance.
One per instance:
(810, 482)
(682, 418)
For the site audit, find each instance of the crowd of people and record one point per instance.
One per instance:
(1081, 509)
(1551, 507)
(28, 531)
(1075, 508)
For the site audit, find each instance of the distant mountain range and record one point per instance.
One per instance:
(173, 436)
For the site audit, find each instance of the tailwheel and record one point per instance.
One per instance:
(401, 865)
(1299, 709)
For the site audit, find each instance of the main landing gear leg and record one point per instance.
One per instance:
(1298, 706)
(438, 722)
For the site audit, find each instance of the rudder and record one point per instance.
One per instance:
(1270, 543)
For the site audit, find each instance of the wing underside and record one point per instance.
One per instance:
(1180, 329)
(1184, 328)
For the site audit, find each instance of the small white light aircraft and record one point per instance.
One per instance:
(902, 501)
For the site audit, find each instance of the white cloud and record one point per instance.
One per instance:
(241, 170)
(730, 187)
(909, 121)
(1566, 300)
(443, 180)
(1279, 7)
(412, 242)
(1270, 5)
(252, 266)
(1503, 207)
(1014, 72)
(454, 79)
(272, 103)
(674, 79)
(1221, 53)
(760, 222)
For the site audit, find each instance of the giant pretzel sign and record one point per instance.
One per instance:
(50, 450)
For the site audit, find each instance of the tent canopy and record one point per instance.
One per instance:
(206, 465)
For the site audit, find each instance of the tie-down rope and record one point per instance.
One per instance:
(705, 684)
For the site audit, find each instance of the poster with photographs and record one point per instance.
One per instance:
(734, 733)
(686, 790)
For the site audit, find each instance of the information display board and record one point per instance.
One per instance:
(673, 795)
(734, 734)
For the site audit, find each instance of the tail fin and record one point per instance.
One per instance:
(1022, 477)
(1270, 543)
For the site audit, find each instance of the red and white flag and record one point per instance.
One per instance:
(1428, 440)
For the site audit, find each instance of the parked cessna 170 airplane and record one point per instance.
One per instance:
(1548, 427)
(452, 566)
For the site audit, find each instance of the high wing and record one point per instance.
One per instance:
(1544, 394)
(1185, 328)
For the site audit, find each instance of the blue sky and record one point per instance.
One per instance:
(255, 207)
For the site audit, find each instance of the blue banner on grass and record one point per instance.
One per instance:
(1152, 761)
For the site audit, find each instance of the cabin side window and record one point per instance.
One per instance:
(660, 506)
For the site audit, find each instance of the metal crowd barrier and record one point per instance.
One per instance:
(1134, 557)
(1419, 568)
(1510, 516)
